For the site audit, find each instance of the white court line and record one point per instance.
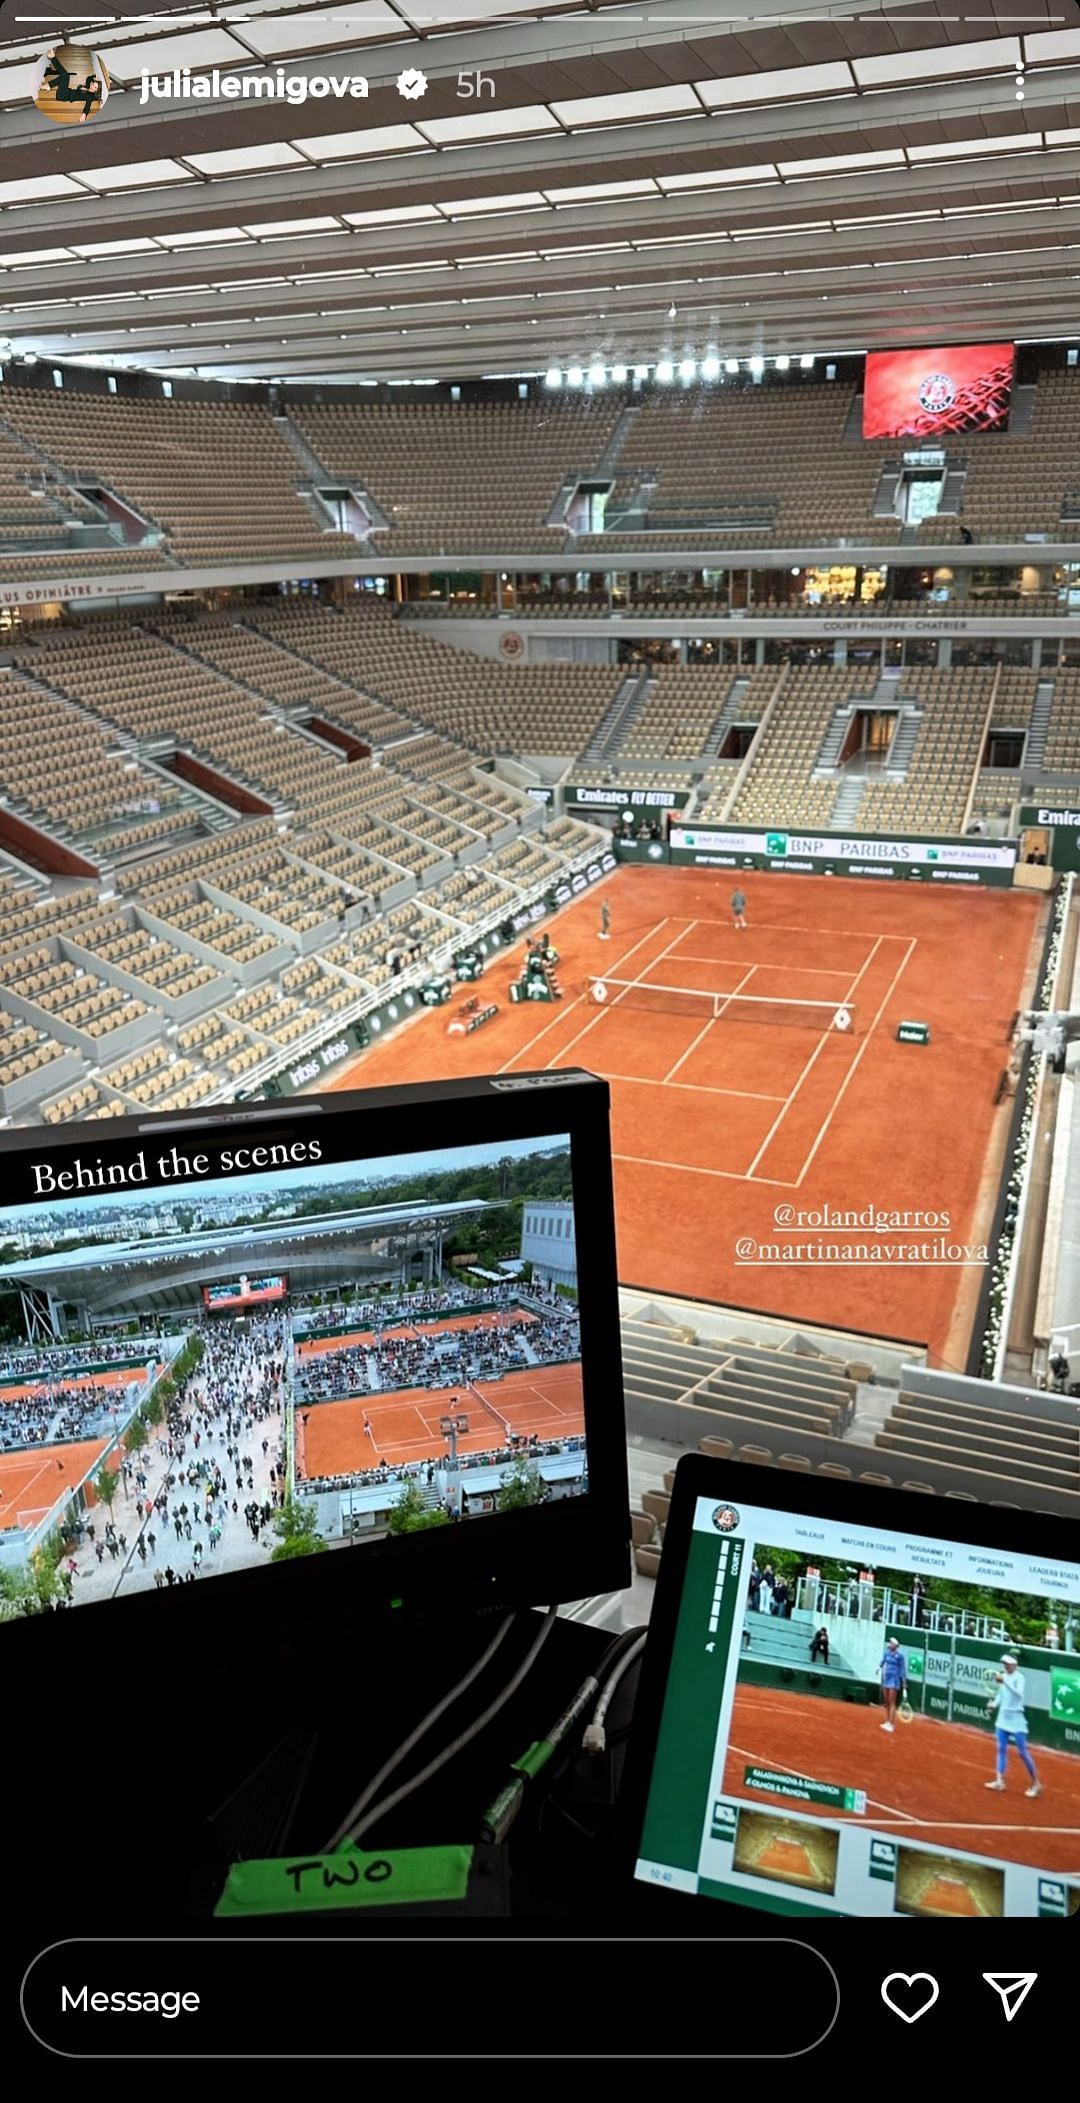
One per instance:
(704, 1031)
(684, 1168)
(800, 970)
(783, 927)
(579, 997)
(955, 1825)
(896, 1816)
(852, 1069)
(602, 1011)
(814, 1057)
(744, 1095)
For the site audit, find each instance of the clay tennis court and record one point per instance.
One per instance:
(109, 1376)
(925, 1781)
(768, 1846)
(408, 1332)
(948, 1889)
(32, 1481)
(331, 1440)
(720, 1119)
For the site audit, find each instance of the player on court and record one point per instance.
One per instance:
(738, 908)
(893, 1669)
(605, 921)
(1012, 1725)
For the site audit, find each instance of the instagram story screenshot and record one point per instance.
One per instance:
(539, 1031)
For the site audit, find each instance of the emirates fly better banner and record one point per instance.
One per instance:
(929, 393)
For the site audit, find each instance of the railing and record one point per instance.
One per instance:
(848, 1598)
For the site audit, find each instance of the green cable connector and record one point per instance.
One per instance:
(535, 1758)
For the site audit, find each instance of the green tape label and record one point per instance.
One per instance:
(322, 1883)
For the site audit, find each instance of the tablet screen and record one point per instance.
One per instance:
(867, 1722)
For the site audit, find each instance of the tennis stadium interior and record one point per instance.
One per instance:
(448, 513)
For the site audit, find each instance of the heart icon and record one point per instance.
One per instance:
(909, 1994)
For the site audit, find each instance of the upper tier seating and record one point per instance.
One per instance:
(455, 477)
(217, 477)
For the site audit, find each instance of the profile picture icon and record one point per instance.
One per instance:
(71, 85)
(725, 1518)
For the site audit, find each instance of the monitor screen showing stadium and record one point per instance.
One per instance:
(868, 1724)
(220, 1359)
(931, 393)
(244, 1292)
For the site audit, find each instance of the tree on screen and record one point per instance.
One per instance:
(412, 1514)
(135, 1437)
(523, 1486)
(295, 1526)
(105, 1485)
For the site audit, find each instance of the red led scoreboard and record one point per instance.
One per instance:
(931, 393)
(244, 1292)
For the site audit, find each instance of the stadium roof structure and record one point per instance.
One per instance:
(591, 183)
(161, 1268)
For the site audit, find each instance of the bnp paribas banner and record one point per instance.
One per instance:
(923, 859)
(954, 1677)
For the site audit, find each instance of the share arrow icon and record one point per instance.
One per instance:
(1012, 1989)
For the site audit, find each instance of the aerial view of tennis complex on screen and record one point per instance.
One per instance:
(224, 1373)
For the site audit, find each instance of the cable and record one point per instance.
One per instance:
(465, 1737)
(426, 1724)
(595, 1740)
(502, 1813)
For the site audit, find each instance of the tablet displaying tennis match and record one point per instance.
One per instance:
(868, 1724)
(217, 1356)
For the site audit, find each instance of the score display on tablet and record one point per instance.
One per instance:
(867, 1722)
(210, 1367)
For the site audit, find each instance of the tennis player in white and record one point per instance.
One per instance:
(1012, 1725)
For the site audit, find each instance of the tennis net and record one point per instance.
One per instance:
(697, 1003)
(501, 1421)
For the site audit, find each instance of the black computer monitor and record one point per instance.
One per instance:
(361, 1351)
(856, 1702)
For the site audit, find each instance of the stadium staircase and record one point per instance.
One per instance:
(845, 811)
(317, 477)
(828, 758)
(786, 1645)
(1035, 745)
(903, 744)
(605, 466)
(619, 718)
(729, 715)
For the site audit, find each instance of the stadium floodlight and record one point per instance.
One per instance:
(574, 376)
(731, 365)
(783, 362)
(710, 367)
(553, 377)
(597, 376)
(807, 362)
(641, 372)
(755, 364)
(618, 375)
(665, 372)
(687, 368)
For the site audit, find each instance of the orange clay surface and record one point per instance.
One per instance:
(33, 1481)
(362, 1339)
(331, 1440)
(787, 1858)
(925, 1782)
(948, 1895)
(718, 1122)
(14, 1391)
